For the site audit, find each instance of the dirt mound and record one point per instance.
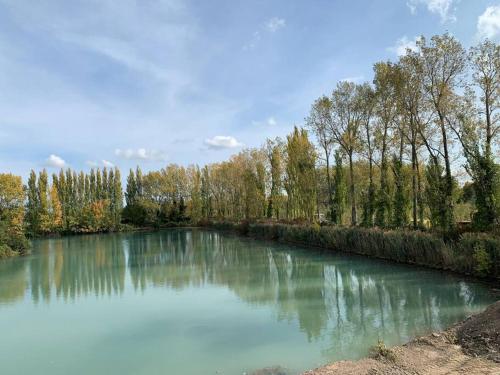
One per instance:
(438, 353)
(276, 370)
(479, 335)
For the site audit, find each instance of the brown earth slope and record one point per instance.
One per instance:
(470, 347)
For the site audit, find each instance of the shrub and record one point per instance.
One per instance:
(380, 351)
(482, 260)
(473, 253)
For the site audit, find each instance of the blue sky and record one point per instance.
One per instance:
(151, 82)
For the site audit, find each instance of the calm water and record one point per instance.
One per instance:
(193, 302)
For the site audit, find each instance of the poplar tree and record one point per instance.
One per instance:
(43, 208)
(105, 184)
(476, 126)
(206, 194)
(131, 192)
(443, 63)
(274, 155)
(320, 122)
(32, 205)
(339, 190)
(347, 117)
(195, 207)
(367, 103)
(92, 181)
(301, 175)
(410, 99)
(117, 197)
(400, 204)
(55, 208)
(139, 185)
(386, 112)
(98, 185)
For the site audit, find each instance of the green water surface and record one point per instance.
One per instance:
(195, 302)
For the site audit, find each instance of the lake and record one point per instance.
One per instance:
(198, 302)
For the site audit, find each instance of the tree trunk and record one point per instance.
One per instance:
(353, 192)
(449, 178)
(414, 176)
(329, 183)
(488, 125)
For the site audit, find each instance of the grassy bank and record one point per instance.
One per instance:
(476, 254)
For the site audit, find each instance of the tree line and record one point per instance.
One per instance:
(73, 203)
(386, 154)
(437, 102)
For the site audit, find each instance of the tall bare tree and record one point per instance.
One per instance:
(443, 64)
(347, 117)
(319, 122)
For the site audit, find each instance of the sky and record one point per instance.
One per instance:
(122, 83)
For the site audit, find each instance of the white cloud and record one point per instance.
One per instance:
(275, 23)
(104, 163)
(222, 141)
(271, 121)
(271, 26)
(55, 161)
(444, 8)
(353, 79)
(403, 44)
(255, 39)
(140, 154)
(488, 23)
(108, 164)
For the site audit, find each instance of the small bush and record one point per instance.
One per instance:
(6, 251)
(380, 351)
(482, 260)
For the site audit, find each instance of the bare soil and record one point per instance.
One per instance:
(470, 347)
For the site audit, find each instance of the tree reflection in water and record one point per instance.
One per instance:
(338, 298)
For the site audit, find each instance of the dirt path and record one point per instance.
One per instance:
(470, 347)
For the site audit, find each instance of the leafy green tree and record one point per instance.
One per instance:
(347, 115)
(131, 190)
(443, 64)
(139, 186)
(12, 238)
(400, 204)
(206, 199)
(43, 208)
(301, 175)
(117, 197)
(434, 192)
(339, 190)
(320, 122)
(195, 205)
(385, 81)
(32, 205)
(367, 103)
(55, 209)
(409, 90)
(99, 190)
(274, 150)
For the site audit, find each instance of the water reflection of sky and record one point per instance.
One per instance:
(338, 302)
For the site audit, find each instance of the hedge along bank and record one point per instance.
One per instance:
(476, 254)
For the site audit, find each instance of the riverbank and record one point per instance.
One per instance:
(473, 254)
(470, 347)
